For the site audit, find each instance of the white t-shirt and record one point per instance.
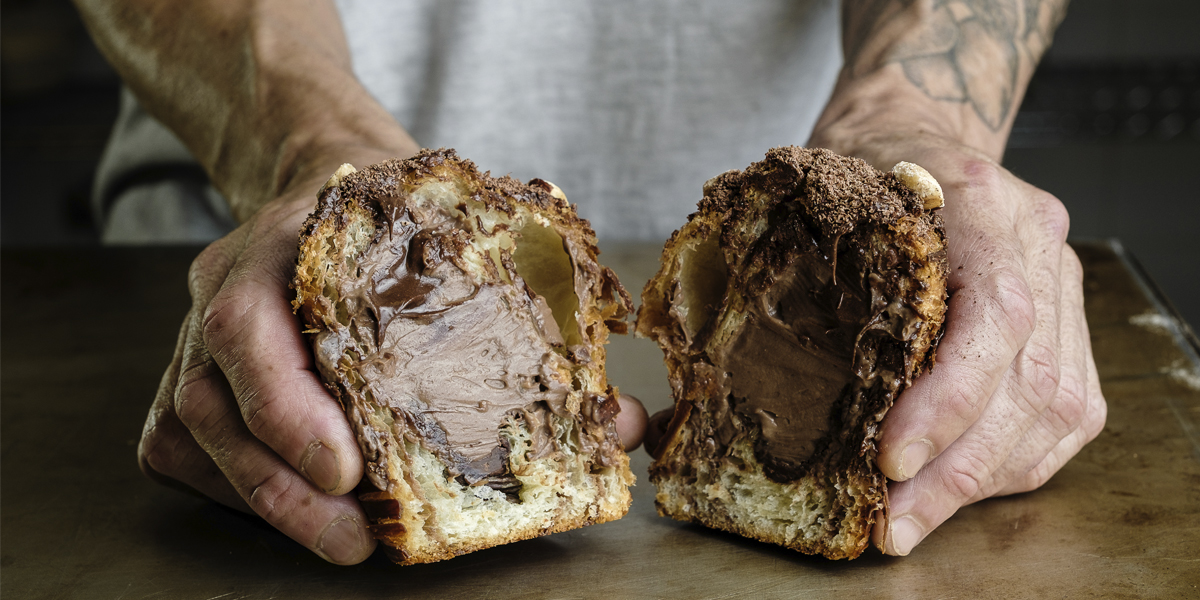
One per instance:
(628, 106)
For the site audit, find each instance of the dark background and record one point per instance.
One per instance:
(1111, 125)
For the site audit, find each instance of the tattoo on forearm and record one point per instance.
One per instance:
(964, 51)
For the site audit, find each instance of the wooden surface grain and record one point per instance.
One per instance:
(86, 334)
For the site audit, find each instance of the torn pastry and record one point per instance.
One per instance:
(460, 320)
(793, 308)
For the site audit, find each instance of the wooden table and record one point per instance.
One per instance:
(86, 334)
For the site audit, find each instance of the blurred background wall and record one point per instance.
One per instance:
(1111, 125)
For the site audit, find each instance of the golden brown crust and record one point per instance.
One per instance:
(419, 505)
(751, 235)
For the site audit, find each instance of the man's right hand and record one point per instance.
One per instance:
(241, 415)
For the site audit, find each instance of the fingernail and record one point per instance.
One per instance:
(320, 466)
(343, 542)
(914, 457)
(906, 533)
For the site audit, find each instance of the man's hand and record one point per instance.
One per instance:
(1014, 392)
(240, 415)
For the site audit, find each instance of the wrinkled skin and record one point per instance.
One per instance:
(241, 415)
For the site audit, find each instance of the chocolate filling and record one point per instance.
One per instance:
(810, 349)
(453, 358)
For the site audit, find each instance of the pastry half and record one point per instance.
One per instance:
(796, 304)
(460, 320)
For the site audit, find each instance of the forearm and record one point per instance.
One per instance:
(952, 68)
(260, 92)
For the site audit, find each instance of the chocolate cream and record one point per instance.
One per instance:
(809, 348)
(451, 356)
